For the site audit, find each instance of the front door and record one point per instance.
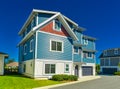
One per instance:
(76, 70)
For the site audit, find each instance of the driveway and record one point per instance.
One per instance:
(105, 82)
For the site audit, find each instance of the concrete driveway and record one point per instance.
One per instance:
(105, 82)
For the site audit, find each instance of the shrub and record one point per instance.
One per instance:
(64, 77)
(117, 73)
(73, 78)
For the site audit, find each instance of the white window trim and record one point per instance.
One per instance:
(54, 26)
(31, 50)
(105, 53)
(49, 73)
(74, 51)
(86, 43)
(91, 56)
(24, 49)
(116, 51)
(57, 41)
(65, 68)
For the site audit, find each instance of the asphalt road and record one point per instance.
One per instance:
(105, 82)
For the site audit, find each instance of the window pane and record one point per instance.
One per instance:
(53, 45)
(59, 46)
(57, 25)
(67, 68)
(89, 54)
(76, 49)
(47, 68)
(31, 45)
(52, 68)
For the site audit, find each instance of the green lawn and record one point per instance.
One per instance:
(20, 82)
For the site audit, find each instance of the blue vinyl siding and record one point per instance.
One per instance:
(29, 27)
(20, 53)
(88, 60)
(43, 17)
(29, 55)
(90, 45)
(43, 48)
(77, 58)
(78, 34)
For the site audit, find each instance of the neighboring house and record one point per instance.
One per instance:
(12, 65)
(53, 44)
(109, 60)
(2, 60)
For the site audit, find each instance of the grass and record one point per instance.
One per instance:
(21, 82)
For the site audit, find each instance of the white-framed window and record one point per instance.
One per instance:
(86, 41)
(31, 45)
(105, 53)
(56, 25)
(25, 49)
(50, 68)
(67, 68)
(116, 51)
(56, 46)
(76, 50)
(89, 54)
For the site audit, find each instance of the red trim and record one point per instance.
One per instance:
(49, 28)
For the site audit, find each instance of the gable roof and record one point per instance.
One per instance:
(12, 64)
(89, 37)
(58, 15)
(4, 54)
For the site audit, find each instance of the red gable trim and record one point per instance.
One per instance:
(49, 28)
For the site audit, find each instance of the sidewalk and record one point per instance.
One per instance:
(87, 78)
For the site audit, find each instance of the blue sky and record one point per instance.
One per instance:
(101, 18)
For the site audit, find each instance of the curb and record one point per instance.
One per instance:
(79, 80)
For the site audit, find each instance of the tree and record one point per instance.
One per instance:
(10, 60)
(97, 68)
(119, 66)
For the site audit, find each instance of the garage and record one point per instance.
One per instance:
(109, 70)
(87, 70)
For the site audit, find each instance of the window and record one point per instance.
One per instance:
(25, 49)
(116, 51)
(49, 68)
(56, 46)
(89, 55)
(84, 55)
(76, 49)
(24, 68)
(31, 45)
(57, 25)
(66, 67)
(105, 53)
(85, 41)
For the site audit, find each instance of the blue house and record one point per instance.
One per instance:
(52, 44)
(110, 60)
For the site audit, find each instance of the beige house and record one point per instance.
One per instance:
(2, 58)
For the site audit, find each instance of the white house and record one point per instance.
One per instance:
(2, 58)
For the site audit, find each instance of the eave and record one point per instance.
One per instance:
(88, 37)
(87, 50)
(26, 37)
